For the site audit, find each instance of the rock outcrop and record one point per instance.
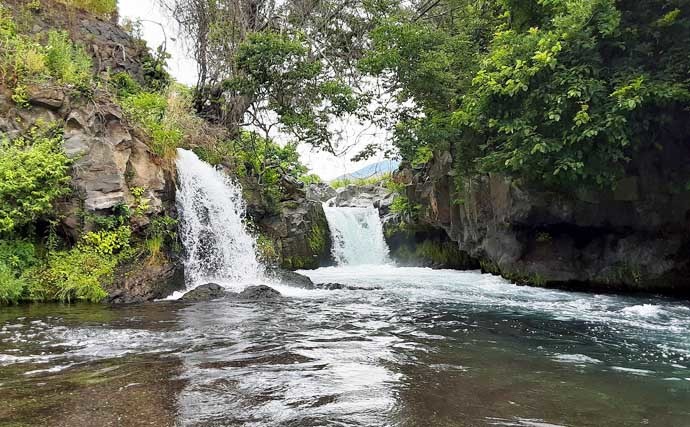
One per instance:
(258, 293)
(297, 228)
(635, 237)
(290, 278)
(141, 281)
(320, 192)
(359, 196)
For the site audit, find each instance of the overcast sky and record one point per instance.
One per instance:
(183, 68)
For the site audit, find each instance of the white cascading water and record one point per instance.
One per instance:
(357, 236)
(218, 247)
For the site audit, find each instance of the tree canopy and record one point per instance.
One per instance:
(556, 91)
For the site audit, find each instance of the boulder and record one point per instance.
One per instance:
(291, 278)
(300, 235)
(207, 292)
(359, 196)
(139, 281)
(258, 293)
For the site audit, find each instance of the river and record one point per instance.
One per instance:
(414, 347)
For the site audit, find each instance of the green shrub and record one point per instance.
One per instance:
(67, 62)
(81, 272)
(78, 274)
(25, 61)
(11, 287)
(124, 85)
(311, 178)
(161, 233)
(372, 180)
(96, 7)
(16, 256)
(150, 110)
(33, 173)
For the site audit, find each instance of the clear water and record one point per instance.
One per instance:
(218, 247)
(421, 348)
(357, 235)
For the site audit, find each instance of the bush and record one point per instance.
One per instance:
(67, 62)
(33, 173)
(81, 272)
(372, 180)
(311, 178)
(11, 287)
(150, 111)
(16, 256)
(25, 61)
(96, 7)
(161, 233)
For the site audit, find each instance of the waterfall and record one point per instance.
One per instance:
(217, 246)
(357, 235)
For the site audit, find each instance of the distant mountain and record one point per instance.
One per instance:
(375, 169)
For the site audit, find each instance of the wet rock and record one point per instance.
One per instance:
(258, 293)
(207, 292)
(291, 278)
(340, 286)
(299, 234)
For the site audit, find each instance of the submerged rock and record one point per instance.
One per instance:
(339, 286)
(291, 278)
(258, 293)
(207, 292)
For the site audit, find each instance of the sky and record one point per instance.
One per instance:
(156, 25)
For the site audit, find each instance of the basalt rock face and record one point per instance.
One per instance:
(296, 229)
(140, 281)
(359, 196)
(109, 158)
(635, 237)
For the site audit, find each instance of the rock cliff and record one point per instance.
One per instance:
(633, 238)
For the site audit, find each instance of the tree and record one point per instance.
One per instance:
(263, 66)
(559, 92)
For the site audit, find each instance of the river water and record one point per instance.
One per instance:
(414, 347)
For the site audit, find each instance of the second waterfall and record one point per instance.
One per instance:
(357, 236)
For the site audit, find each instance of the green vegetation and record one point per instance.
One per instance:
(556, 92)
(29, 60)
(161, 234)
(311, 178)
(65, 275)
(382, 179)
(318, 237)
(81, 272)
(150, 110)
(96, 7)
(33, 174)
(267, 250)
(444, 254)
